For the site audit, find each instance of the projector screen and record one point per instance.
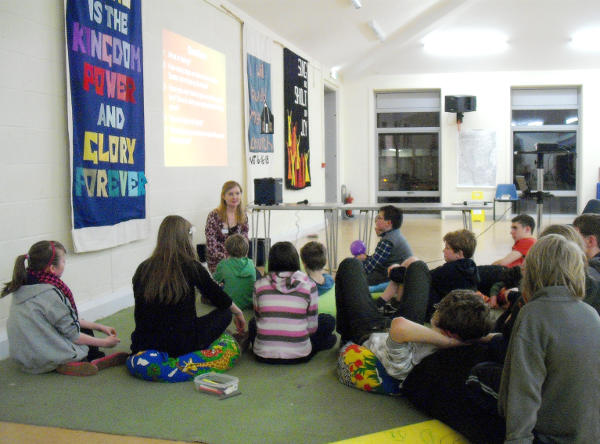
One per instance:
(194, 99)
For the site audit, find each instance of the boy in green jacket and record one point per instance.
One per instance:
(237, 272)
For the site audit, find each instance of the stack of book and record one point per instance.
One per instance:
(217, 384)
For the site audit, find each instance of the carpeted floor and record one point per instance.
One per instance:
(279, 404)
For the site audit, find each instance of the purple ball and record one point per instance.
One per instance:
(358, 247)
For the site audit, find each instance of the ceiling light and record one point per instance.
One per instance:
(465, 43)
(334, 73)
(357, 4)
(586, 39)
(377, 30)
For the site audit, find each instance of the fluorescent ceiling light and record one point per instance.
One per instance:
(587, 39)
(465, 43)
(377, 30)
(357, 4)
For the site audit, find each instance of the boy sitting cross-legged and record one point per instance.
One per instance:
(237, 271)
(313, 258)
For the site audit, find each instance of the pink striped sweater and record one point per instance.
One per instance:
(285, 308)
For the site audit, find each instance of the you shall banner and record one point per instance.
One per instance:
(106, 122)
(297, 160)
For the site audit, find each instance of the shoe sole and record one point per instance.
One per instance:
(111, 360)
(77, 369)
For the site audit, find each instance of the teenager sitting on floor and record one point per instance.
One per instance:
(550, 389)
(459, 272)
(165, 300)
(521, 230)
(460, 316)
(391, 249)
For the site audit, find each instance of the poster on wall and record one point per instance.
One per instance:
(297, 160)
(477, 158)
(257, 58)
(105, 104)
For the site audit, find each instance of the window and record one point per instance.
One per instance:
(547, 116)
(408, 138)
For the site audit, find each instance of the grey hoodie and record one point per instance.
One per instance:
(42, 327)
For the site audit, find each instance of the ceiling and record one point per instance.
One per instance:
(335, 34)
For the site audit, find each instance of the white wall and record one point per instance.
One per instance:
(34, 172)
(493, 113)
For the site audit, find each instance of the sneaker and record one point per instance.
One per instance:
(389, 310)
(380, 302)
(113, 360)
(77, 368)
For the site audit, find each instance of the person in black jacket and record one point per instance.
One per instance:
(459, 271)
(164, 291)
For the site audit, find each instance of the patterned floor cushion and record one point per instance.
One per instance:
(153, 365)
(358, 367)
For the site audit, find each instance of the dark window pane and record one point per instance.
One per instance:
(559, 168)
(408, 120)
(539, 117)
(408, 162)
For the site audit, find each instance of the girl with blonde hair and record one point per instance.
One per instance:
(227, 219)
(550, 386)
(165, 300)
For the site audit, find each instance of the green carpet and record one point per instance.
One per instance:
(279, 404)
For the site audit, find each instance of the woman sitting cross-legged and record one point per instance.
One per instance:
(164, 291)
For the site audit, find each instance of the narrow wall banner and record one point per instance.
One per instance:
(257, 77)
(105, 103)
(297, 155)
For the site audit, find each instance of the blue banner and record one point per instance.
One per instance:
(106, 104)
(259, 93)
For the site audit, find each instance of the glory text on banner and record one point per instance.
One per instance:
(106, 122)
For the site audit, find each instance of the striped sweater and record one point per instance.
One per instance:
(285, 308)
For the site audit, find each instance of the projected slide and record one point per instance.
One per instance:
(194, 101)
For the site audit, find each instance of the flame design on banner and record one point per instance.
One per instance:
(297, 153)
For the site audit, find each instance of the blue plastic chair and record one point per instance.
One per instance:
(506, 192)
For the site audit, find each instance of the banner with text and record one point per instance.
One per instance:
(257, 53)
(105, 94)
(297, 160)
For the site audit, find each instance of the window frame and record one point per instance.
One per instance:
(408, 108)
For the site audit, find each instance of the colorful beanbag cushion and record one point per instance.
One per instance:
(358, 367)
(153, 365)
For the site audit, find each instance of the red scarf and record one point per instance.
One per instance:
(42, 277)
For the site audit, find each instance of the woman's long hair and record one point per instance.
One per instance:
(163, 277)
(240, 213)
(40, 256)
(553, 260)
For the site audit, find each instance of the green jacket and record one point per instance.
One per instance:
(239, 275)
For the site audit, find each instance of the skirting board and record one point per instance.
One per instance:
(91, 311)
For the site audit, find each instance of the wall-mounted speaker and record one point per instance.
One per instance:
(460, 104)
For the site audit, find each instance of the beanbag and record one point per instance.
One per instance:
(153, 365)
(358, 367)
